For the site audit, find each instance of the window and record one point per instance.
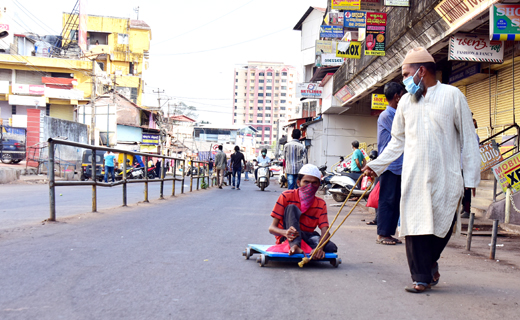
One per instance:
(252, 74)
(260, 94)
(13, 109)
(245, 88)
(277, 88)
(259, 115)
(284, 80)
(236, 107)
(235, 114)
(267, 108)
(283, 94)
(261, 74)
(282, 108)
(260, 88)
(269, 73)
(251, 94)
(268, 115)
(275, 109)
(276, 94)
(284, 88)
(278, 74)
(259, 129)
(284, 74)
(268, 88)
(260, 101)
(236, 80)
(260, 108)
(245, 94)
(283, 101)
(269, 80)
(236, 93)
(236, 100)
(235, 121)
(258, 121)
(252, 88)
(250, 108)
(268, 94)
(267, 101)
(237, 73)
(245, 80)
(260, 81)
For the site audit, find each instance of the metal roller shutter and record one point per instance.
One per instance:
(478, 96)
(5, 75)
(503, 113)
(29, 77)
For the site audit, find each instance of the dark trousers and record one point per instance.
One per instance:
(388, 208)
(111, 171)
(237, 173)
(291, 218)
(466, 200)
(423, 252)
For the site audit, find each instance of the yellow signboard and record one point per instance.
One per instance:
(508, 173)
(345, 4)
(379, 101)
(458, 12)
(352, 51)
(489, 155)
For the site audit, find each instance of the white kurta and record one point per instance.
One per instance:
(431, 134)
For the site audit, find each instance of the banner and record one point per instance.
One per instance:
(344, 94)
(335, 18)
(379, 101)
(504, 22)
(308, 90)
(351, 50)
(376, 34)
(371, 5)
(354, 19)
(397, 3)
(331, 32)
(324, 46)
(470, 47)
(329, 59)
(489, 155)
(150, 139)
(31, 89)
(345, 4)
(508, 172)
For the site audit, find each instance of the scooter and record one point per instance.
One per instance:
(343, 182)
(263, 176)
(325, 178)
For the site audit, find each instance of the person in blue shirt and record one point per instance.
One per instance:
(109, 165)
(358, 159)
(390, 180)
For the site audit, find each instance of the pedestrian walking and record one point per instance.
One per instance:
(431, 126)
(466, 200)
(295, 156)
(220, 165)
(210, 166)
(237, 159)
(109, 165)
(247, 169)
(158, 168)
(390, 180)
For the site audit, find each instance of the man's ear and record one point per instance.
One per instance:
(298, 183)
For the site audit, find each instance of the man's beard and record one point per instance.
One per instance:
(418, 94)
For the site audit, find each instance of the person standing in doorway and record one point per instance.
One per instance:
(295, 156)
(220, 165)
(432, 116)
(237, 159)
(390, 180)
(109, 165)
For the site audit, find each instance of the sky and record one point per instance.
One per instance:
(195, 43)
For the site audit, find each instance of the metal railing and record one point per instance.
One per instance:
(94, 183)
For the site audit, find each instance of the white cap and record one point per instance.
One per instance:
(310, 170)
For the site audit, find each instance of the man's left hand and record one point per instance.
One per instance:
(320, 254)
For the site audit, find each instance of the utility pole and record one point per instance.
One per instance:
(277, 138)
(160, 125)
(136, 10)
(92, 105)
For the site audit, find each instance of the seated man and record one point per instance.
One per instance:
(298, 212)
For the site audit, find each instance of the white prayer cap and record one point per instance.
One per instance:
(310, 170)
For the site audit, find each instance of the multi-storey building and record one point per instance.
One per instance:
(264, 97)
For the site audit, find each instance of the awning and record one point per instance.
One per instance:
(322, 72)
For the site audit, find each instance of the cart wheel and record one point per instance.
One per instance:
(335, 262)
(247, 253)
(261, 260)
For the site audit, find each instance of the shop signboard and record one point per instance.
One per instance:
(4, 87)
(504, 22)
(32, 101)
(397, 3)
(489, 155)
(345, 4)
(457, 12)
(351, 50)
(379, 101)
(507, 173)
(150, 139)
(375, 34)
(478, 48)
(308, 90)
(331, 32)
(31, 89)
(329, 59)
(465, 73)
(344, 94)
(371, 5)
(324, 46)
(335, 18)
(354, 19)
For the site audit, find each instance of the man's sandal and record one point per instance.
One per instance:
(371, 223)
(435, 273)
(417, 288)
(386, 241)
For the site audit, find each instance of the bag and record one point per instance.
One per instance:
(373, 198)
(366, 182)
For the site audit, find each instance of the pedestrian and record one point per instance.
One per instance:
(466, 200)
(220, 165)
(158, 168)
(358, 159)
(390, 180)
(262, 159)
(295, 156)
(237, 159)
(248, 169)
(431, 126)
(210, 166)
(109, 165)
(167, 163)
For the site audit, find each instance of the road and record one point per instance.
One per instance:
(181, 259)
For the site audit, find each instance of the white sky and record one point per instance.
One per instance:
(205, 79)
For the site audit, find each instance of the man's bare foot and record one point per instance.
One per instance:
(295, 249)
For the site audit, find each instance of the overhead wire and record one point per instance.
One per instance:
(34, 17)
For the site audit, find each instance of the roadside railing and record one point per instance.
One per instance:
(124, 181)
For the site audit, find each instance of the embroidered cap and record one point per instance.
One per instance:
(418, 55)
(310, 170)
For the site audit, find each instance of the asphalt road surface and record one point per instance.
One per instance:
(180, 258)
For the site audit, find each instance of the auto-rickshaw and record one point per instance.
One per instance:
(86, 165)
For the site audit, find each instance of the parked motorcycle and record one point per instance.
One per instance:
(325, 178)
(263, 176)
(343, 182)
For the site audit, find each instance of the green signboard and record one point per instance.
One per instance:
(504, 22)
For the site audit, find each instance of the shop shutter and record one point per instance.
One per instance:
(65, 112)
(5, 75)
(503, 113)
(29, 77)
(478, 95)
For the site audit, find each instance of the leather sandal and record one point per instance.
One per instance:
(417, 288)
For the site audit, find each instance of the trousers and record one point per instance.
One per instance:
(423, 252)
(220, 176)
(291, 218)
(237, 173)
(111, 171)
(389, 199)
(291, 181)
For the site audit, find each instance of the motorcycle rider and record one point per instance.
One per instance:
(262, 159)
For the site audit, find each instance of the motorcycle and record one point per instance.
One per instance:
(343, 182)
(325, 178)
(263, 176)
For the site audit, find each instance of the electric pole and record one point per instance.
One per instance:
(161, 123)
(92, 105)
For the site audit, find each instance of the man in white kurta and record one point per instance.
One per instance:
(430, 127)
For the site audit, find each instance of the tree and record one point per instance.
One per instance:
(183, 109)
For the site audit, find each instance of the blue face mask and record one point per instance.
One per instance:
(410, 85)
